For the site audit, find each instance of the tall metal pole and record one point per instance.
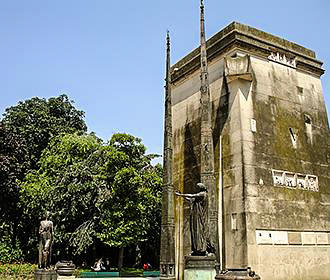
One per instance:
(207, 149)
(167, 250)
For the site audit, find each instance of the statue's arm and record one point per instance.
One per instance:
(201, 194)
(185, 195)
(188, 195)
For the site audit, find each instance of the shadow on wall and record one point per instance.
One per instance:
(220, 115)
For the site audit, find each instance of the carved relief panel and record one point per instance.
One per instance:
(282, 58)
(295, 180)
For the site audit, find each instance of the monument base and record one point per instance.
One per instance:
(199, 267)
(44, 274)
(238, 274)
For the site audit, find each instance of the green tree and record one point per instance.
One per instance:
(13, 158)
(37, 120)
(67, 184)
(25, 131)
(96, 192)
(129, 208)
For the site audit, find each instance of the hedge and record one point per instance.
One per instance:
(18, 271)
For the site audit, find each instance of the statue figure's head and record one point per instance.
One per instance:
(202, 187)
(46, 215)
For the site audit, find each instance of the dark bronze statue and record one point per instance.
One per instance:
(45, 243)
(200, 245)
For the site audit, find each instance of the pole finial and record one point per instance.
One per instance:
(168, 39)
(202, 10)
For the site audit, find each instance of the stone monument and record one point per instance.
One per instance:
(246, 118)
(200, 264)
(167, 251)
(198, 220)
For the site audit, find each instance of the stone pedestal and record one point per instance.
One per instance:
(199, 267)
(65, 268)
(238, 274)
(43, 274)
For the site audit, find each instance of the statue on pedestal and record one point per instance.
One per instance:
(46, 233)
(200, 244)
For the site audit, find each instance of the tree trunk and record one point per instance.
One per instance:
(121, 258)
(94, 254)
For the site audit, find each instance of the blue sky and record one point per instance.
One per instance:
(109, 56)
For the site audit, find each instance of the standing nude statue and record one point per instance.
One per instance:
(45, 243)
(200, 244)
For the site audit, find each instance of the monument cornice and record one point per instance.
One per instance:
(252, 41)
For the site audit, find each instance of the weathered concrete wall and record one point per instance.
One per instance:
(186, 142)
(274, 123)
(283, 98)
(230, 107)
(283, 262)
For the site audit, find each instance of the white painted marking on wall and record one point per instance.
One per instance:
(280, 238)
(264, 237)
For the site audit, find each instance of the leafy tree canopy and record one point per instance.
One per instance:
(13, 160)
(37, 120)
(98, 193)
(95, 191)
(25, 131)
(134, 194)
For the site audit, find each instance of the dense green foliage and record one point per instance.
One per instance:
(25, 131)
(9, 250)
(95, 191)
(17, 271)
(66, 184)
(37, 120)
(13, 160)
(99, 194)
(134, 194)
